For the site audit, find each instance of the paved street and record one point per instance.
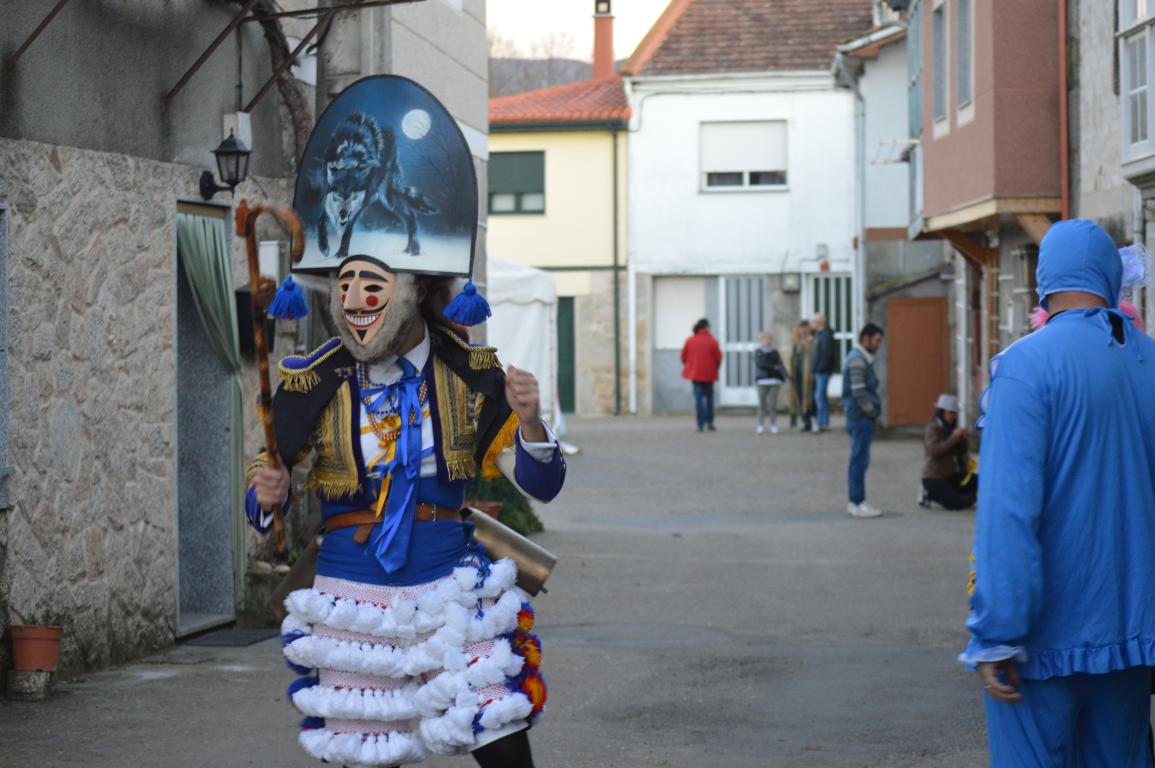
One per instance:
(714, 605)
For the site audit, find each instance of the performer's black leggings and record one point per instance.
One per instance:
(510, 751)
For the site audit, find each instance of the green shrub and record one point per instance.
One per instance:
(516, 511)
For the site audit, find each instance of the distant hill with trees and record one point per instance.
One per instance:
(508, 76)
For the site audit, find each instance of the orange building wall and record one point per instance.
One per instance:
(1011, 146)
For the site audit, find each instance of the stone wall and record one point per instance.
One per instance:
(90, 539)
(596, 393)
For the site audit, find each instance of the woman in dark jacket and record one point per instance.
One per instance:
(945, 477)
(769, 375)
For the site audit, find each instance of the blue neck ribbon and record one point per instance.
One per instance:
(391, 538)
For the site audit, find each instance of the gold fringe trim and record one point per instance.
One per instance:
(304, 379)
(458, 419)
(462, 469)
(335, 470)
(260, 462)
(504, 439)
(300, 381)
(331, 489)
(481, 358)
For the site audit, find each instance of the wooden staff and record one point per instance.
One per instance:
(263, 289)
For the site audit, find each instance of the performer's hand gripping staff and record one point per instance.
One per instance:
(271, 487)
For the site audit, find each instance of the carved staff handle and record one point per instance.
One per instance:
(263, 289)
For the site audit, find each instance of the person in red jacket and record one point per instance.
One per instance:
(701, 357)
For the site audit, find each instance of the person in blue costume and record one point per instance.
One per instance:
(1062, 622)
(412, 640)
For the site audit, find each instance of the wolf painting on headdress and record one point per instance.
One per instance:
(363, 177)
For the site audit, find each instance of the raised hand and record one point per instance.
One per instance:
(523, 396)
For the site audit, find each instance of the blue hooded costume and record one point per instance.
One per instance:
(1064, 556)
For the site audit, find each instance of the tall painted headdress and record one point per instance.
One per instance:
(387, 175)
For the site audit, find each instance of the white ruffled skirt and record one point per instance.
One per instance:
(392, 674)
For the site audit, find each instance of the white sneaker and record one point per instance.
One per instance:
(814, 429)
(862, 510)
(773, 429)
(759, 429)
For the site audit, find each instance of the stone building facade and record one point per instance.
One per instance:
(92, 391)
(112, 415)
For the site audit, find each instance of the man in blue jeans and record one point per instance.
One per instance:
(822, 365)
(863, 406)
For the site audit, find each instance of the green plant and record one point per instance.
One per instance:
(516, 511)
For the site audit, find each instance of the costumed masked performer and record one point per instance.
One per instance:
(1062, 621)
(412, 640)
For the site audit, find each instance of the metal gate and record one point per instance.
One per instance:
(742, 309)
(832, 294)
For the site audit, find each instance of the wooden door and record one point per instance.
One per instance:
(918, 355)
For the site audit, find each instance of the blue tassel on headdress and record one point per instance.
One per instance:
(289, 303)
(469, 307)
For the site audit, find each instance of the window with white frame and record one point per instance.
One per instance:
(964, 70)
(745, 155)
(1137, 36)
(939, 52)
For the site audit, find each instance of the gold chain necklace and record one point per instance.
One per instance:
(381, 429)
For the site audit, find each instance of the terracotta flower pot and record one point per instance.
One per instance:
(35, 648)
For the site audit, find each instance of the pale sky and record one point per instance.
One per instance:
(536, 27)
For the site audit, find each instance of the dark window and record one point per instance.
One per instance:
(516, 182)
(726, 179)
(767, 178)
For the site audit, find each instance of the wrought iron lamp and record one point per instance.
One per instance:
(232, 164)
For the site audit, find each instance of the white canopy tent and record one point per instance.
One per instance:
(524, 324)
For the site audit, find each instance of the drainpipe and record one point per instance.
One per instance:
(860, 208)
(617, 288)
(631, 275)
(850, 77)
(1064, 109)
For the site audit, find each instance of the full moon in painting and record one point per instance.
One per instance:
(415, 124)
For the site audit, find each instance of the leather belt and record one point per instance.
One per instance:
(365, 519)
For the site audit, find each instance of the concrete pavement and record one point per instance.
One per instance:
(714, 604)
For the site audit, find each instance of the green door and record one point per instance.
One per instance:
(565, 353)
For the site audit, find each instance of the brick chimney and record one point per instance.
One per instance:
(603, 40)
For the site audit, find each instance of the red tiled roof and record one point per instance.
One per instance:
(715, 36)
(585, 102)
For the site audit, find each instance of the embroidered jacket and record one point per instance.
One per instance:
(317, 408)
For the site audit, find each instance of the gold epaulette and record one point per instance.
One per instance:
(298, 372)
(481, 358)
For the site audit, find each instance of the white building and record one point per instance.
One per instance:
(742, 192)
